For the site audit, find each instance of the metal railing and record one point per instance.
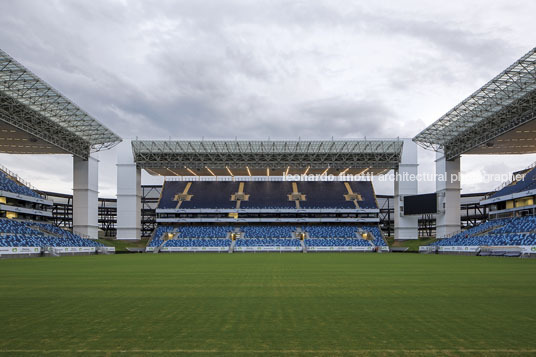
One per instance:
(17, 178)
(509, 182)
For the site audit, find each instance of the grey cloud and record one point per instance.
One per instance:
(315, 69)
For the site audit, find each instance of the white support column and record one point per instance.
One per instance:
(86, 196)
(128, 194)
(448, 195)
(406, 227)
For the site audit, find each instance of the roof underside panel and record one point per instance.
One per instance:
(251, 156)
(503, 104)
(51, 113)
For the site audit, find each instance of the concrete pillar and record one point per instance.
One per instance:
(448, 195)
(406, 227)
(86, 196)
(128, 194)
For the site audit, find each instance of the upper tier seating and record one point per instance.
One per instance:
(22, 234)
(324, 195)
(528, 183)
(266, 195)
(211, 195)
(7, 184)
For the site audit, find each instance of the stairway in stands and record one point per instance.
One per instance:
(157, 249)
(45, 231)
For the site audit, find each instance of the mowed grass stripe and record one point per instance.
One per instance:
(268, 303)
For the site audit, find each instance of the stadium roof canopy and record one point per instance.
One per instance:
(499, 118)
(37, 119)
(266, 158)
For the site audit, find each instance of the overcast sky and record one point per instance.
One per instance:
(259, 69)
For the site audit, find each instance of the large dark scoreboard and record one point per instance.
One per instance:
(420, 204)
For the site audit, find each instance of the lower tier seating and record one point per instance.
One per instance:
(337, 242)
(198, 242)
(36, 234)
(268, 236)
(268, 242)
(499, 232)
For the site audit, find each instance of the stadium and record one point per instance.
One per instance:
(275, 247)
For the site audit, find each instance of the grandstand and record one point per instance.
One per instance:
(512, 219)
(267, 237)
(267, 215)
(241, 193)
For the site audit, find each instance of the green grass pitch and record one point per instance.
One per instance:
(269, 304)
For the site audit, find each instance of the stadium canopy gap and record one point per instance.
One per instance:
(499, 118)
(266, 158)
(36, 119)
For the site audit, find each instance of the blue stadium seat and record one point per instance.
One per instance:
(337, 242)
(34, 234)
(7, 184)
(267, 195)
(527, 183)
(500, 232)
(268, 242)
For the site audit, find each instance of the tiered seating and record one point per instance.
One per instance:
(366, 190)
(324, 195)
(337, 242)
(268, 236)
(517, 225)
(169, 190)
(157, 239)
(510, 232)
(267, 242)
(489, 240)
(21, 234)
(331, 231)
(211, 194)
(198, 242)
(193, 236)
(204, 231)
(7, 184)
(266, 195)
(268, 231)
(377, 234)
(528, 183)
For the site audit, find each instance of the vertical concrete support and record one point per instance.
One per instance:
(86, 196)
(406, 227)
(128, 194)
(448, 195)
